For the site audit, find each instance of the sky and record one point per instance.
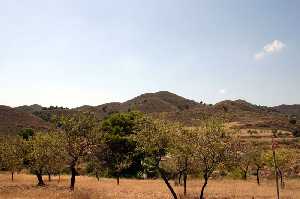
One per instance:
(77, 52)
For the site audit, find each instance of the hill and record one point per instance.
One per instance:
(158, 102)
(166, 105)
(31, 108)
(13, 120)
(289, 109)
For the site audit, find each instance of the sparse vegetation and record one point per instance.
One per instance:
(130, 144)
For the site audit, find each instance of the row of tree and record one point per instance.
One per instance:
(134, 145)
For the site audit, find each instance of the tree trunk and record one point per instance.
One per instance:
(245, 174)
(97, 176)
(118, 179)
(164, 177)
(179, 178)
(73, 176)
(257, 175)
(59, 178)
(49, 177)
(282, 185)
(184, 183)
(40, 179)
(12, 176)
(203, 187)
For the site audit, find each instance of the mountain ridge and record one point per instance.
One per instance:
(167, 105)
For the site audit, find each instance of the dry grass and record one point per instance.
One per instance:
(89, 188)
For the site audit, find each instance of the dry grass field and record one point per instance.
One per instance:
(89, 188)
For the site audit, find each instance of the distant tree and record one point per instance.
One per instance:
(296, 132)
(293, 119)
(82, 136)
(11, 154)
(244, 158)
(285, 159)
(26, 133)
(275, 133)
(252, 132)
(257, 160)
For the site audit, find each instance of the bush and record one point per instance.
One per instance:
(296, 132)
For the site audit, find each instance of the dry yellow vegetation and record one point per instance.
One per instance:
(89, 188)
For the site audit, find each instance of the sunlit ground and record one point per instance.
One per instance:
(24, 187)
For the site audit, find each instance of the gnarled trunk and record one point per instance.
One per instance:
(40, 178)
(164, 177)
(203, 187)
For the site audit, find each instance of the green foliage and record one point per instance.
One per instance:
(120, 156)
(296, 132)
(153, 138)
(26, 133)
(46, 152)
(11, 153)
(82, 135)
(83, 138)
(285, 159)
(212, 147)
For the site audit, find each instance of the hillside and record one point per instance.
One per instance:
(166, 105)
(31, 108)
(289, 109)
(13, 120)
(159, 102)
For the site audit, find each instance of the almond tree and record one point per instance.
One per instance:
(285, 159)
(244, 158)
(211, 149)
(44, 151)
(11, 154)
(82, 137)
(153, 139)
(181, 152)
(257, 160)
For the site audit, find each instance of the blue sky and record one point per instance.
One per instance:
(76, 52)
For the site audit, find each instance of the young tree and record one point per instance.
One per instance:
(153, 139)
(244, 158)
(257, 160)
(211, 148)
(44, 151)
(11, 154)
(285, 159)
(181, 152)
(82, 137)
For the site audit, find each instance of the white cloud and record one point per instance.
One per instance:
(222, 91)
(271, 48)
